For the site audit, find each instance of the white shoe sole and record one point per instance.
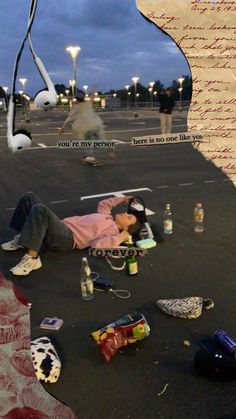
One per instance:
(38, 266)
(8, 248)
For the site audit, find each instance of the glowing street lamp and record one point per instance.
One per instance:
(151, 84)
(85, 87)
(23, 82)
(135, 80)
(74, 52)
(180, 80)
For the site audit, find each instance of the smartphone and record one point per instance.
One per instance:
(105, 284)
(51, 323)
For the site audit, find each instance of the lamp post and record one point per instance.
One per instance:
(127, 97)
(5, 88)
(23, 82)
(155, 94)
(74, 51)
(151, 84)
(135, 80)
(72, 84)
(180, 80)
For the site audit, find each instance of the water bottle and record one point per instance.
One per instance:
(198, 217)
(86, 282)
(167, 220)
(131, 261)
(224, 340)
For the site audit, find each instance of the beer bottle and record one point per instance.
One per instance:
(131, 261)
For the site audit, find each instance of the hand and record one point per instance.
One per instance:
(128, 198)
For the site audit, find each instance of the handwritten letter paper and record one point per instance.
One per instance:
(205, 30)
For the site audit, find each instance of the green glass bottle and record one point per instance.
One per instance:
(131, 261)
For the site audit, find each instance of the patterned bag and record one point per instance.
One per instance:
(47, 364)
(185, 308)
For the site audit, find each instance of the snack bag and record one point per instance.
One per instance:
(128, 329)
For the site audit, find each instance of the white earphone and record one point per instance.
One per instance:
(47, 98)
(21, 139)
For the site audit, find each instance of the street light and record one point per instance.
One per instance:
(135, 80)
(151, 84)
(127, 88)
(23, 81)
(74, 51)
(155, 94)
(85, 87)
(5, 88)
(180, 80)
(180, 98)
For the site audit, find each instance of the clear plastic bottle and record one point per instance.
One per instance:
(131, 261)
(198, 218)
(167, 220)
(87, 291)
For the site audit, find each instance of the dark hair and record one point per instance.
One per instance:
(134, 230)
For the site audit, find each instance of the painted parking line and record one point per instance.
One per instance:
(138, 123)
(42, 145)
(83, 198)
(52, 134)
(186, 184)
(59, 202)
(162, 186)
(209, 181)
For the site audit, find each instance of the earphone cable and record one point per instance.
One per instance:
(18, 56)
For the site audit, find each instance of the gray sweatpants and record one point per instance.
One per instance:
(37, 224)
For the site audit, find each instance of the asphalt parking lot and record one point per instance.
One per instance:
(184, 264)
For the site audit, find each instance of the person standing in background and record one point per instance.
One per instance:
(167, 103)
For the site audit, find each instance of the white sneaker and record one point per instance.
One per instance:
(89, 159)
(12, 245)
(26, 265)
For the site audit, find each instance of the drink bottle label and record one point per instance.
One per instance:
(87, 288)
(168, 225)
(133, 268)
(199, 216)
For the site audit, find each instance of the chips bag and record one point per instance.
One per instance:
(128, 329)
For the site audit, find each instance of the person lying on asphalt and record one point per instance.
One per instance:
(37, 224)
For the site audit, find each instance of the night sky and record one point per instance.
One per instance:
(116, 43)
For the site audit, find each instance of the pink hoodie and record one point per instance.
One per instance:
(98, 229)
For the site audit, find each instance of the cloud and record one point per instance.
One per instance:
(115, 39)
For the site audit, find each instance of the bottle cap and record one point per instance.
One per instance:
(84, 259)
(199, 205)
